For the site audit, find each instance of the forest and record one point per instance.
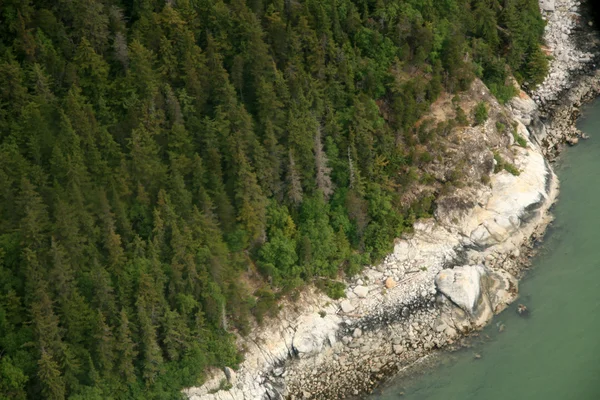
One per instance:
(170, 169)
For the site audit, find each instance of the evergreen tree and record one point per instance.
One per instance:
(158, 160)
(125, 350)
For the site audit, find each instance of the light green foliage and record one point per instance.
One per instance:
(502, 164)
(519, 140)
(461, 117)
(159, 159)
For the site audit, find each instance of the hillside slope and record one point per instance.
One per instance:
(171, 169)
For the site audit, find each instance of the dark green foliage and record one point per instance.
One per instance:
(504, 92)
(480, 113)
(158, 159)
(333, 289)
(266, 304)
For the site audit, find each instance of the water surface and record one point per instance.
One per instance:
(555, 353)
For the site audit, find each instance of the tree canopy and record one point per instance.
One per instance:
(169, 168)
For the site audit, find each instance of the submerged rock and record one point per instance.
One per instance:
(522, 310)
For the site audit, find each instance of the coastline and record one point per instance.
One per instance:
(398, 312)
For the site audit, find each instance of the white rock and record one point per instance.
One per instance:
(313, 332)
(462, 285)
(361, 291)
(347, 306)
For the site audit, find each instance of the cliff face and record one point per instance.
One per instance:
(456, 270)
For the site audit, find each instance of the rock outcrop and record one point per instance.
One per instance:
(472, 294)
(414, 301)
(551, 111)
(453, 273)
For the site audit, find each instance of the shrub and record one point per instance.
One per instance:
(333, 289)
(481, 113)
(503, 93)
(519, 140)
(502, 164)
(266, 304)
(461, 117)
(512, 169)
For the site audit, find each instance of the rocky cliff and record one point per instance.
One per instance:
(456, 270)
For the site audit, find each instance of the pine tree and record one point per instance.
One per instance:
(152, 153)
(53, 385)
(125, 350)
(324, 183)
(250, 200)
(176, 336)
(34, 220)
(152, 360)
(105, 345)
(294, 186)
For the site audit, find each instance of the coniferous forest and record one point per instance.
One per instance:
(170, 169)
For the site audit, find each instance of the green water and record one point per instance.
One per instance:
(555, 353)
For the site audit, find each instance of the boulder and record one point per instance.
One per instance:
(547, 5)
(313, 333)
(361, 291)
(572, 141)
(476, 293)
(462, 285)
(523, 107)
(230, 374)
(346, 306)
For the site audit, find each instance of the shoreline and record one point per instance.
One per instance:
(398, 313)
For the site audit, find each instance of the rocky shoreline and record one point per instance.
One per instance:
(454, 272)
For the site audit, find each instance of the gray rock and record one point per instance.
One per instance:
(405, 312)
(230, 374)
(357, 333)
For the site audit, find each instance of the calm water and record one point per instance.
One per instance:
(555, 353)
